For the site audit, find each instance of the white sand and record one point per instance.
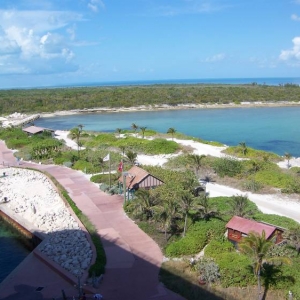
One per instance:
(63, 135)
(31, 196)
(279, 204)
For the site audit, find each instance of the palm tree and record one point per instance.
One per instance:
(243, 147)
(131, 157)
(189, 184)
(187, 203)
(134, 128)
(119, 131)
(197, 162)
(143, 129)
(239, 206)
(288, 156)
(257, 247)
(75, 135)
(171, 131)
(166, 214)
(206, 210)
(80, 126)
(143, 204)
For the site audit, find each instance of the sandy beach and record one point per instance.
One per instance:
(169, 107)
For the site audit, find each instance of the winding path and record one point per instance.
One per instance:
(133, 258)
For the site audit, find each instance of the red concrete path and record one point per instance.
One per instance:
(133, 258)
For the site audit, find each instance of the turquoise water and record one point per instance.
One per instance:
(12, 250)
(275, 129)
(257, 80)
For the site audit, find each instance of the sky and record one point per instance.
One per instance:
(66, 42)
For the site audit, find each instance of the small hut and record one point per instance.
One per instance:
(32, 130)
(137, 177)
(239, 227)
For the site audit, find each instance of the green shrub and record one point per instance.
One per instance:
(187, 245)
(227, 167)
(17, 143)
(104, 178)
(218, 247)
(289, 277)
(252, 185)
(65, 156)
(276, 179)
(213, 228)
(198, 235)
(84, 166)
(177, 162)
(104, 187)
(68, 164)
(252, 153)
(235, 269)
(160, 146)
(45, 148)
(208, 270)
(280, 221)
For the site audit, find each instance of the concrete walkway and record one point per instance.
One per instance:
(133, 258)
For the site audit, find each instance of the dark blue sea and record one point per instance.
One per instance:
(274, 129)
(259, 80)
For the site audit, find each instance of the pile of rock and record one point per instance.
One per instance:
(30, 195)
(70, 249)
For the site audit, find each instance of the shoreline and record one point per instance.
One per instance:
(157, 107)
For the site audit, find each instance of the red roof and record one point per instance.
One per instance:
(136, 175)
(245, 226)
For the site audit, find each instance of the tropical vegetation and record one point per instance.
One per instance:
(183, 221)
(82, 98)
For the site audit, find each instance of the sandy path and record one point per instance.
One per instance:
(282, 205)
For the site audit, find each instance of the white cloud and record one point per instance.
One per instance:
(292, 55)
(215, 58)
(295, 17)
(95, 4)
(72, 32)
(29, 45)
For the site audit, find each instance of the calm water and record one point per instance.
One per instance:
(12, 250)
(275, 129)
(258, 80)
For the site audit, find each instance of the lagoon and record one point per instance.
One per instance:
(275, 129)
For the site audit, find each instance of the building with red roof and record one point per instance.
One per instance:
(239, 227)
(137, 178)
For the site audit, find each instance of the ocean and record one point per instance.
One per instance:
(258, 80)
(274, 129)
(13, 251)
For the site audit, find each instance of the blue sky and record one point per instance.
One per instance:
(62, 42)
